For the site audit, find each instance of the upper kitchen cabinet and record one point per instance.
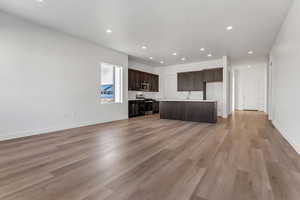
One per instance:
(219, 74)
(132, 78)
(155, 83)
(198, 81)
(213, 75)
(142, 81)
(185, 81)
(190, 81)
(181, 82)
(194, 81)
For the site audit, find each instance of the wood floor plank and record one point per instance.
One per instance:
(240, 158)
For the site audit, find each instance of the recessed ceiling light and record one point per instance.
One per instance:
(209, 55)
(40, 1)
(161, 62)
(249, 66)
(108, 31)
(144, 47)
(183, 59)
(151, 58)
(250, 52)
(174, 54)
(228, 28)
(202, 49)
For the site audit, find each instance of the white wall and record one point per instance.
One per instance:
(285, 73)
(226, 86)
(243, 76)
(145, 68)
(141, 67)
(168, 82)
(49, 80)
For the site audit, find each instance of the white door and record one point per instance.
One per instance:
(250, 98)
(251, 84)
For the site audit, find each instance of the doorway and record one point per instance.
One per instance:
(250, 87)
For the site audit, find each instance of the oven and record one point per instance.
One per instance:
(148, 106)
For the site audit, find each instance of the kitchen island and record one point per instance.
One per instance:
(189, 110)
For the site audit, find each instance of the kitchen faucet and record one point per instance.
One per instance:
(188, 95)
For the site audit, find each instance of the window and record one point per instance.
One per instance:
(111, 87)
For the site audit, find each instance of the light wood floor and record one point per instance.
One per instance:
(146, 158)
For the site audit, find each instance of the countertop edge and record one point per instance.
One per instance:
(191, 100)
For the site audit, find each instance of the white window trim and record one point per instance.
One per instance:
(114, 77)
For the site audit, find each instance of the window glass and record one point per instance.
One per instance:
(111, 87)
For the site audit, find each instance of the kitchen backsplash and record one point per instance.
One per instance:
(149, 95)
(156, 95)
(186, 95)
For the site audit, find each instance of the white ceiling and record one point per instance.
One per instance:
(164, 26)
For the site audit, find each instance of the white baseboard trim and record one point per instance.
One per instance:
(286, 136)
(28, 133)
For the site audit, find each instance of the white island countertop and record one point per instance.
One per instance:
(187, 100)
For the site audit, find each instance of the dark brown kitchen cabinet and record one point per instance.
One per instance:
(155, 107)
(139, 80)
(155, 83)
(136, 108)
(132, 84)
(151, 83)
(218, 75)
(181, 82)
(189, 81)
(194, 81)
(198, 81)
(142, 81)
(185, 81)
(202, 111)
(148, 80)
(213, 75)
(208, 75)
(134, 77)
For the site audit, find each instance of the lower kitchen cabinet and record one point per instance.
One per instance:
(196, 111)
(136, 108)
(142, 107)
(155, 107)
